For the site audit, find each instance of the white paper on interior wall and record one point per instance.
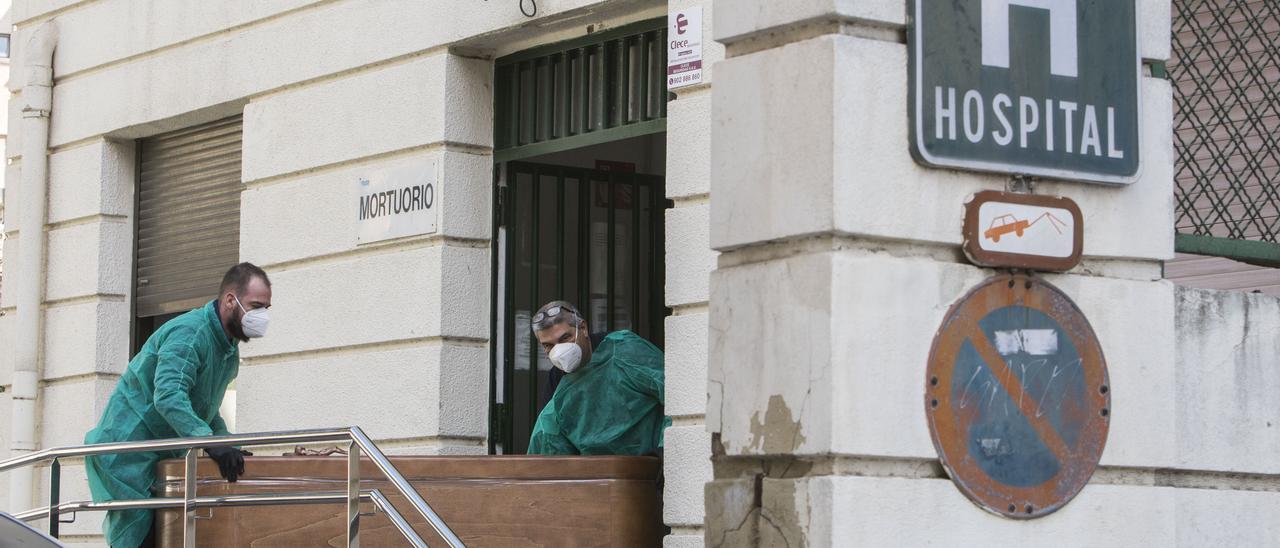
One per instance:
(524, 339)
(397, 202)
(599, 278)
(600, 309)
(684, 48)
(599, 253)
(599, 313)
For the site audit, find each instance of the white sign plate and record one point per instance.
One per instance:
(684, 48)
(1026, 229)
(1003, 229)
(397, 202)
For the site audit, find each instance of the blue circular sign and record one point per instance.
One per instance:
(1017, 396)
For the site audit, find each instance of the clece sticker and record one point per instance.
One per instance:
(684, 48)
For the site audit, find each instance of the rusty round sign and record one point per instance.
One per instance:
(1017, 396)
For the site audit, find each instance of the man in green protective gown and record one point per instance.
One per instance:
(610, 401)
(172, 389)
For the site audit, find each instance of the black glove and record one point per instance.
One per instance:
(230, 461)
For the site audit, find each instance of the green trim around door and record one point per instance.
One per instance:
(638, 27)
(600, 88)
(584, 140)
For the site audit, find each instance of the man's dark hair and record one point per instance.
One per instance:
(237, 278)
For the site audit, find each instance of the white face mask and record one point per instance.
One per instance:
(254, 322)
(567, 356)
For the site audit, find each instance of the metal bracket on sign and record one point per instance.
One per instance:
(1021, 184)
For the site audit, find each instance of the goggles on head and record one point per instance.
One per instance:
(553, 312)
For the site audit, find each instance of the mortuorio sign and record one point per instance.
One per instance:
(397, 202)
(1034, 87)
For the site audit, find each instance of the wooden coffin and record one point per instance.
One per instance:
(487, 500)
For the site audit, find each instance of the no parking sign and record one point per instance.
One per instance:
(1017, 396)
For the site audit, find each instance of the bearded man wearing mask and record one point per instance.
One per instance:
(610, 401)
(173, 389)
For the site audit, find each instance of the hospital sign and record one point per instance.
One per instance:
(1032, 87)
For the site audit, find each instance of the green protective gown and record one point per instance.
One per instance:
(611, 406)
(171, 389)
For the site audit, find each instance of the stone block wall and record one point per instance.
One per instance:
(689, 261)
(838, 258)
(393, 336)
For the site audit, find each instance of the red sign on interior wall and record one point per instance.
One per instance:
(615, 167)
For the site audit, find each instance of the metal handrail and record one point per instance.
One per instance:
(375, 496)
(358, 442)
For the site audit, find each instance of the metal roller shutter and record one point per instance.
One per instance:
(188, 215)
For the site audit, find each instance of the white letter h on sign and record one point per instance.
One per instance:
(1062, 33)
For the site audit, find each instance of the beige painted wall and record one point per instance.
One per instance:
(812, 241)
(838, 260)
(391, 336)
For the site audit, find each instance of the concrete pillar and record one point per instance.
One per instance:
(839, 256)
(689, 262)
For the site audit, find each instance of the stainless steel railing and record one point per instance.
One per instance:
(190, 502)
(371, 495)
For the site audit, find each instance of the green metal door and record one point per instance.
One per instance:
(593, 238)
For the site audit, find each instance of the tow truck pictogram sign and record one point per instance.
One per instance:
(1023, 231)
(1007, 223)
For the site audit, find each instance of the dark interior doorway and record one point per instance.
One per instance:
(590, 236)
(580, 156)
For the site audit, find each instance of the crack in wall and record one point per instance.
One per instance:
(737, 529)
(766, 519)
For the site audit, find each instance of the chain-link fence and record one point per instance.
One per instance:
(1225, 70)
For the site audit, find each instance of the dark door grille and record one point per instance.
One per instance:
(590, 237)
(600, 88)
